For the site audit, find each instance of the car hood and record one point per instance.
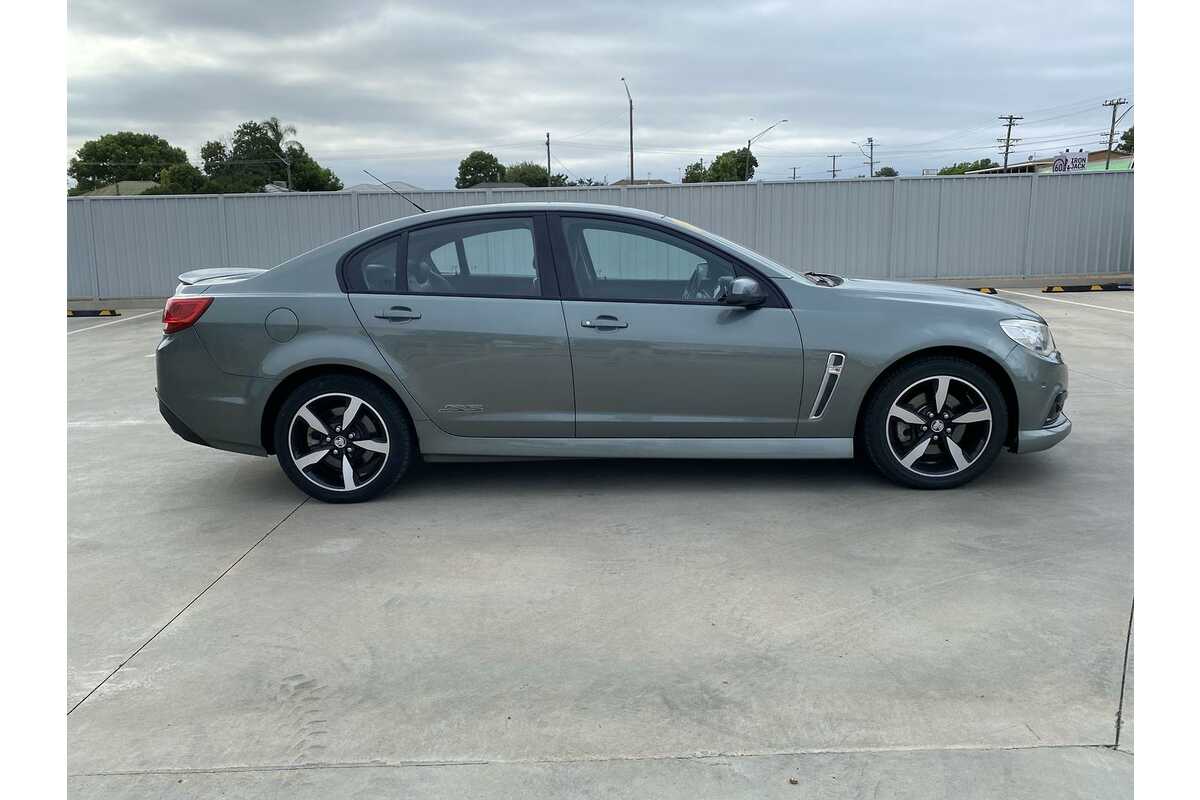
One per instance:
(902, 292)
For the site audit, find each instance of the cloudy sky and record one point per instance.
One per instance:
(408, 89)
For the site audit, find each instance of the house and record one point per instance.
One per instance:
(1095, 163)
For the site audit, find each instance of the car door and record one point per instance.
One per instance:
(467, 313)
(654, 353)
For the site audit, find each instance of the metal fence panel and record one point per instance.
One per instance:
(906, 228)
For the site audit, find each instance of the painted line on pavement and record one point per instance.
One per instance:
(112, 322)
(1068, 302)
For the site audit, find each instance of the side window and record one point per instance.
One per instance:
(623, 261)
(374, 268)
(476, 257)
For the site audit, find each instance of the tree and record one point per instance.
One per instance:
(695, 172)
(967, 166)
(122, 156)
(478, 167)
(731, 166)
(886, 172)
(179, 179)
(586, 182)
(1126, 145)
(532, 174)
(259, 153)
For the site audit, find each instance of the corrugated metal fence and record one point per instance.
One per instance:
(943, 227)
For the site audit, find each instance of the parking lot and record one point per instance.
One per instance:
(606, 629)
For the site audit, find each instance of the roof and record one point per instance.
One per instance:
(123, 188)
(399, 186)
(641, 182)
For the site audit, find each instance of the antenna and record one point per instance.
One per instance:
(394, 191)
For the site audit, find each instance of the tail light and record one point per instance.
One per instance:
(182, 312)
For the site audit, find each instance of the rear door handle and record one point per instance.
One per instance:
(604, 322)
(398, 314)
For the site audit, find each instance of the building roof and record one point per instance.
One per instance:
(641, 182)
(122, 188)
(399, 186)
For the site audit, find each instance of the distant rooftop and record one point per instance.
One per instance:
(399, 186)
(122, 188)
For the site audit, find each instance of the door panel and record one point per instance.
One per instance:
(680, 369)
(478, 366)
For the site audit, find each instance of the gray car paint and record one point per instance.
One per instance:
(222, 376)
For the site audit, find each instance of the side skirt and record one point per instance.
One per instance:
(439, 445)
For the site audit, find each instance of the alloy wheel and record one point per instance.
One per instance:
(339, 442)
(939, 426)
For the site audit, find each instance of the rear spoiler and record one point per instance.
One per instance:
(209, 274)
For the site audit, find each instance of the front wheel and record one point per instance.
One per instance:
(343, 439)
(936, 423)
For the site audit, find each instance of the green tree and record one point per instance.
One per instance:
(1126, 145)
(886, 172)
(532, 174)
(695, 172)
(259, 153)
(180, 179)
(586, 182)
(479, 167)
(967, 166)
(732, 166)
(122, 156)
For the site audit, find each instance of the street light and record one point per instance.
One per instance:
(627, 94)
(754, 139)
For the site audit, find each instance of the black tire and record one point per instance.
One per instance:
(910, 392)
(379, 421)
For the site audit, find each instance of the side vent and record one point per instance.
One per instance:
(833, 371)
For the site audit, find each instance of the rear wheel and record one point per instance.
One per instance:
(936, 423)
(343, 439)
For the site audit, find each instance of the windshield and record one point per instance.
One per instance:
(758, 258)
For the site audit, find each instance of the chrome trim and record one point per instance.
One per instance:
(833, 370)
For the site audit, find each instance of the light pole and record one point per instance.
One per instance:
(870, 158)
(630, 96)
(754, 139)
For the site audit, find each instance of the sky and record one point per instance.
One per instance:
(407, 89)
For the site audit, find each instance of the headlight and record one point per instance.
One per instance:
(1033, 335)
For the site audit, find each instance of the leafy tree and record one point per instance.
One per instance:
(532, 174)
(122, 156)
(967, 166)
(179, 179)
(259, 153)
(731, 166)
(586, 182)
(886, 172)
(695, 172)
(479, 167)
(1126, 145)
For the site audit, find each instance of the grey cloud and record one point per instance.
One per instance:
(411, 87)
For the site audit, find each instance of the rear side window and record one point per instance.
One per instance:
(493, 257)
(375, 269)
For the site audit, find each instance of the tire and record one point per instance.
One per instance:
(936, 423)
(339, 464)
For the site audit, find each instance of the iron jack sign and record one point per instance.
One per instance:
(1070, 162)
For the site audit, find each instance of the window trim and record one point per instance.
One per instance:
(566, 277)
(546, 272)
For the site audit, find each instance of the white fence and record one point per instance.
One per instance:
(903, 228)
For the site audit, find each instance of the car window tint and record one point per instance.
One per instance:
(373, 269)
(622, 261)
(476, 257)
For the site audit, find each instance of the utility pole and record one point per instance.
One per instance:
(630, 96)
(833, 171)
(870, 162)
(1116, 103)
(1008, 141)
(547, 159)
(794, 172)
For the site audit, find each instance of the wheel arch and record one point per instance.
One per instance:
(280, 394)
(982, 360)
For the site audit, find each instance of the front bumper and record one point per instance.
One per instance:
(1044, 438)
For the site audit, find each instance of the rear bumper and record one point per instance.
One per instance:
(1044, 438)
(179, 426)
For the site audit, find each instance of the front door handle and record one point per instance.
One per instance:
(398, 314)
(604, 322)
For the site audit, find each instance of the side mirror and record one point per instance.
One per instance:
(744, 292)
